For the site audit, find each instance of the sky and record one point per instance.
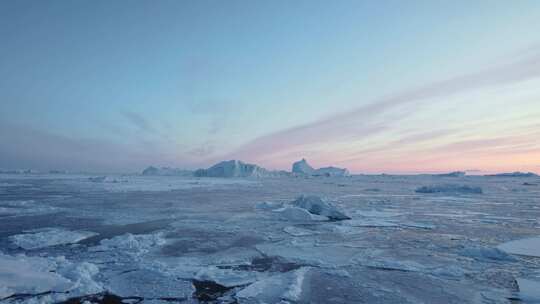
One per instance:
(385, 86)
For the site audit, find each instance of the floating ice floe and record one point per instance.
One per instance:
(284, 286)
(229, 277)
(318, 206)
(25, 207)
(133, 244)
(49, 237)
(529, 290)
(528, 247)
(450, 188)
(298, 214)
(23, 275)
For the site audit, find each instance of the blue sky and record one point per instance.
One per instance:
(118, 85)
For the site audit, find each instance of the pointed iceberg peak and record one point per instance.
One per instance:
(302, 167)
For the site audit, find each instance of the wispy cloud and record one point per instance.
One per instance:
(139, 121)
(374, 117)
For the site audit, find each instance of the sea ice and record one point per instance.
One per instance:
(36, 275)
(131, 244)
(284, 286)
(298, 214)
(529, 290)
(149, 284)
(49, 237)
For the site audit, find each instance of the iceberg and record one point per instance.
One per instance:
(233, 168)
(303, 168)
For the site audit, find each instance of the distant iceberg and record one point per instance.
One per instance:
(303, 168)
(515, 174)
(463, 189)
(165, 171)
(236, 168)
(452, 174)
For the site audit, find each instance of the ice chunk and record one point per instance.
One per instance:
(298, 214)
(285, 286)
(529, 290)
(49, 237)
(132, 244)
(528, 247)
(228, 277)
(35, 275)
(29, 275)
(450, 188)
(318, 206)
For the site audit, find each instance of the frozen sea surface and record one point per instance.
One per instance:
(136, 239)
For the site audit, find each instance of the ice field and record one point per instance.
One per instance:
(178, 239)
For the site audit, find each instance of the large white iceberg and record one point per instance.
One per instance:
(233, 168)
(302, 167)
